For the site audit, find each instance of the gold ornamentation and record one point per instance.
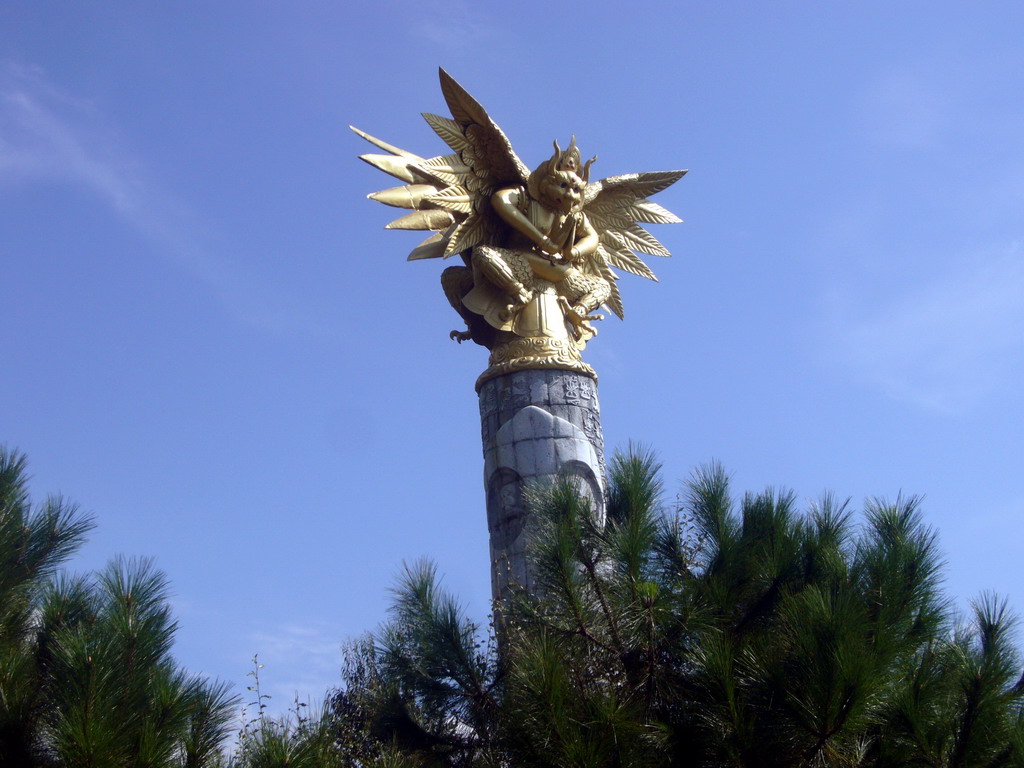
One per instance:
(534, 352)
(538, 247)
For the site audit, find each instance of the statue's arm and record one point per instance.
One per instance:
(506, 203)
(587, 243)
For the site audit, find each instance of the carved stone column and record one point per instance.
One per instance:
(536, 424)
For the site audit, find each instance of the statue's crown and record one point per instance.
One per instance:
(569, 161)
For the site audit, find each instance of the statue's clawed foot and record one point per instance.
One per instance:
(577, 314)
(460, 336)
(578, 317)
(585, 331)
(520, 300)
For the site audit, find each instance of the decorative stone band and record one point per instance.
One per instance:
(537, 353)
(536, 426)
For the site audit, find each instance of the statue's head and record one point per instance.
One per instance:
(558, 182)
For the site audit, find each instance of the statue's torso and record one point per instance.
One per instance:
(559, 227)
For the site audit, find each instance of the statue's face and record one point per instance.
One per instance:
(562, 191)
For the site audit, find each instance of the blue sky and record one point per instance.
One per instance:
(212, 345)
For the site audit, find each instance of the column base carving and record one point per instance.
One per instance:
(534, 353)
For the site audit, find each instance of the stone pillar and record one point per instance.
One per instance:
(536, 424)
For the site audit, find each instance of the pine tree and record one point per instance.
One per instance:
(86, 672)
(33, 545)
(707, 633)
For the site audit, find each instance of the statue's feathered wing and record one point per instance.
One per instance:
(450, 194)
(616, 207)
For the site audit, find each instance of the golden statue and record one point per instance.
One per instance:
(537, 247)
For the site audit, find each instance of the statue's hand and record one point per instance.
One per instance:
(548, 245)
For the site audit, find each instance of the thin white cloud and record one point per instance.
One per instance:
(49, 136)
(37, 144)
(949, 344)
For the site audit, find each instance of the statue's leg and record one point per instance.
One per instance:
(580, 295)
(456, 283)
(585, 292)
(508, 271)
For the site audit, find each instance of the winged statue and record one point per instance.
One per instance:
(537, 247)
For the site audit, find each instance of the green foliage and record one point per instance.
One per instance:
(423, 691)
(323, 736)
(708, 633)
(301, 742)
(33, 544)
(86, 673)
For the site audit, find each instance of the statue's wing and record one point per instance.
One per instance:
(450, 194)
(616, 207)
